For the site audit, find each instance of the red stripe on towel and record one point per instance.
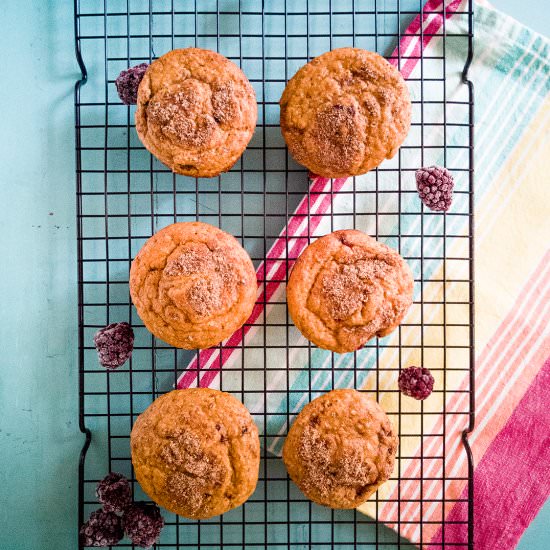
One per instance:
(512, 480)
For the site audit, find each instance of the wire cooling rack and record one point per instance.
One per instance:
(124, 195)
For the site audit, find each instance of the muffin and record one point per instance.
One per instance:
(340, 449)
(346, 288)
(196, 112)
(196, 452)
(193, 285)
(345, 112)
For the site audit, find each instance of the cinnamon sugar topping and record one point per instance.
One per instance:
(196, 112)
(195, 472)
(195, 259)
(345, 112)
(216, 285)
(180, 118)
(327, 466)
(336, 136)
(346, 288)
(205, 297)
(344, 292)
(190, 489)
(340, 448)
(366, 73)
(224, 104)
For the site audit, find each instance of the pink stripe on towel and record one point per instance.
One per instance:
(512, 480)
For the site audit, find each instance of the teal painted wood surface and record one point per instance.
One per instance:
(39, 436)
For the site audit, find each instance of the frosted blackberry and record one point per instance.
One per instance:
(114, 344)
(416, 382)
(114, 493)
(435, 187)
(127, 83)
(142, 524)
(102, 529)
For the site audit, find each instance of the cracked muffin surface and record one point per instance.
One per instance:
(196, 111)
(340, 449)
(196, 452)
(346, 288)
(193, 285)
(345, 112)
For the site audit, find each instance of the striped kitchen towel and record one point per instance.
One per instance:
(511, 440)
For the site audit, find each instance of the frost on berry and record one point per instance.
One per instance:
(435, 187)
(142, 524)
(114, 493)
(102, 529)
(416, 382)
(114, 344)
(127, 83)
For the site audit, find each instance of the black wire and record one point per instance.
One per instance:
(92, 163)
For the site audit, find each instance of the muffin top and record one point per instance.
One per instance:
(196, 111)
(346, 288)
(196, 452)
(345, 112)
(340, 449)
(193, 285)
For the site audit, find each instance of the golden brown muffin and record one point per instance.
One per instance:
(345, 112)
(196, 452)
(340, 449)
(346, 288)
(196, 112)
(193, 285)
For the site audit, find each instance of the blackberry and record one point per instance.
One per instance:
(114, 493)
(416, 382)
(102, 529)
(127, 83)
(114, 344)
(142, 524)
(435, 187)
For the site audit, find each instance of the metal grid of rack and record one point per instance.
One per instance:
(124, 195)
